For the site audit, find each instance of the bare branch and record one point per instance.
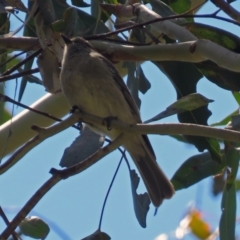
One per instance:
(19, 43)
(57, 176)
(43, 133)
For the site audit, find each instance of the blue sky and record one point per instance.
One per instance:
(74, 205)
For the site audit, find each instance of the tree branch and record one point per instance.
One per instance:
(57, 176)
(228, 9)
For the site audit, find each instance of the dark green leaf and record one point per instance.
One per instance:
(232, 160)
(98, 235)
(195, 169)
(34, 227)
(83, 146)
(144, 85)
(80, 3)
(228, 205)
(5, 26)
(228, 218)
(141, 202)
(222, 77)
(237, 184)
(47, 11)
(185, 77)
(187, 103)
(97, 12)
(164, 10)
(25, 79)
(237, 96)
(29, 31)
(217, 35)
(4, 114)
(70, 25)
(179, 6)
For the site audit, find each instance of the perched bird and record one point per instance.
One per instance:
(91, 82)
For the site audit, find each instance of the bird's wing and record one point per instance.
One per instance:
(122, 86)
(127, 95)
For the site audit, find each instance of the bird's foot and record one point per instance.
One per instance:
(74, 108)
(107, 121)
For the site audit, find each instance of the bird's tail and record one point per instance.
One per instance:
(156, 182)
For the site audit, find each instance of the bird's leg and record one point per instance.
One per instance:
(72, 110)
(107, 121)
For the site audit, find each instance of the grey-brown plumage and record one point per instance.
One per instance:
(90, 82)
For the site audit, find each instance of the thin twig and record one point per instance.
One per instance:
(58, 175)
(5, 219)
(108, 191)
(9, 71)
(139, 25)
(17, 75)
(31, 203)
(228, 9)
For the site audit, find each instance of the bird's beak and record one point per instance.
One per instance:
(66, 39)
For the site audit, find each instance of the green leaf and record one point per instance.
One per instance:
(83, 146)
(164, 10)
(179, 6)
(144, 85)
(47, 11)
(34, 227)
(185, 78)
(228, 217)
(232, 160)
(222, 77)
(4, 114)
(187, 103)
(195, 169)
(69, 24)
(29, 31)
(225, 120)
(237, 184)
(228, 205)
(141, 202)
(83, 23)
(236, 96)
(214, 149)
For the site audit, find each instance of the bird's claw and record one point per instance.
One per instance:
(107, 121)
(74, 108)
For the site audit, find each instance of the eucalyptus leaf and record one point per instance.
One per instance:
(83, 146)
(186, 103)
(222, 77)
(164, 10)
(229, 205)
(29, 31)
(195, 169)
(144, 85)
(34, 227)
(225, 120)
(141, 202)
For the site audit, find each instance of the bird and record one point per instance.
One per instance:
(93, 84)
